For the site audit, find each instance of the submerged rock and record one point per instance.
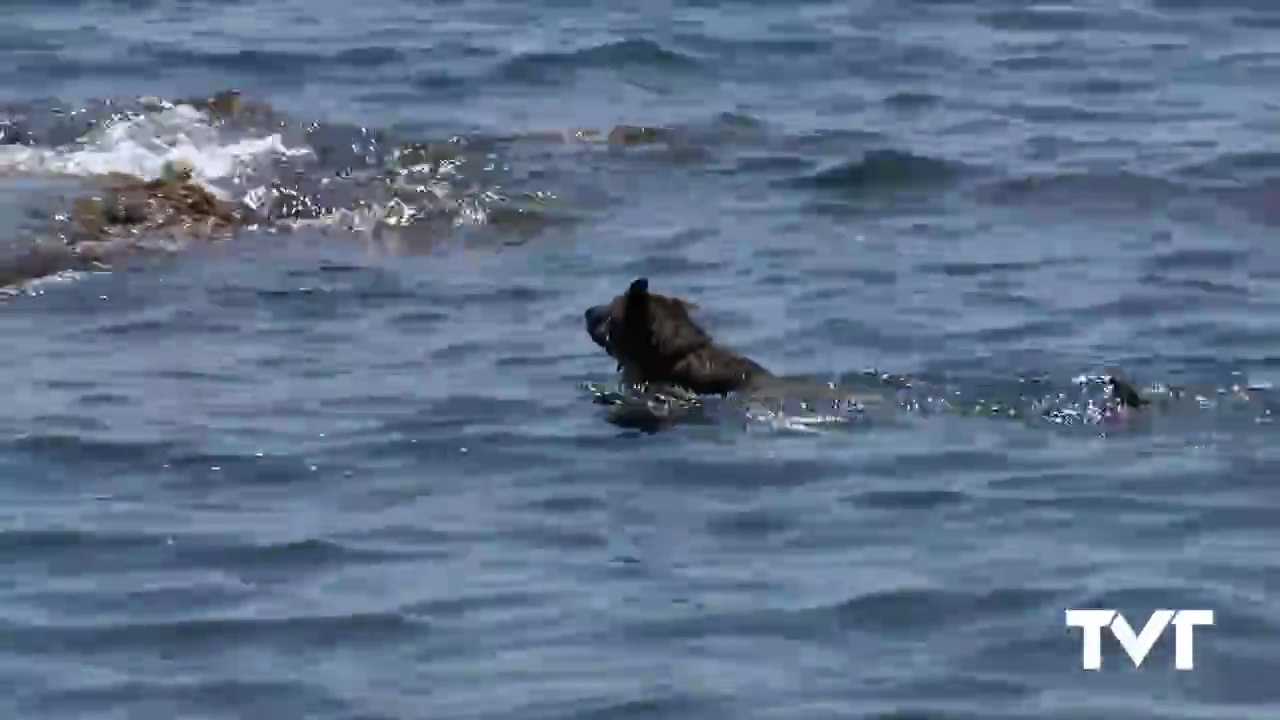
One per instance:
(229, 106)
(174, 207)
(125, 214)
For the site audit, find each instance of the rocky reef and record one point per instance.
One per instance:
(123, 214)
(414, 183)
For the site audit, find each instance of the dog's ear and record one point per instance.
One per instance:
(636, 302)
(639, 290)
(639, 286)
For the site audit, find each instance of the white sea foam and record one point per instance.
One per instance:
(145, 144)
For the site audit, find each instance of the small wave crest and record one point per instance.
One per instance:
(611, 55)
(883, 169)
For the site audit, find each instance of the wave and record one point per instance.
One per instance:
(883, 169)
(1121, 188)
(273, 61)
(611, 55)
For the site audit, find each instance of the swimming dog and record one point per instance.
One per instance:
(656, 342)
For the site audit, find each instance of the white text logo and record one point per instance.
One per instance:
(1139, 645)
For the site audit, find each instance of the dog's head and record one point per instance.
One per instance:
(641, 328)
(655, 340)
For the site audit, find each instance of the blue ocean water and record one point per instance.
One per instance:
(344, 476)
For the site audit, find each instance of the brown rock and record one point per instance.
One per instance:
(226, 105)
(129, 206)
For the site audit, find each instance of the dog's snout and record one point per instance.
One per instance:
(597, 319)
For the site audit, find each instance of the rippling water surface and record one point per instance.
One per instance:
(348, 471)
